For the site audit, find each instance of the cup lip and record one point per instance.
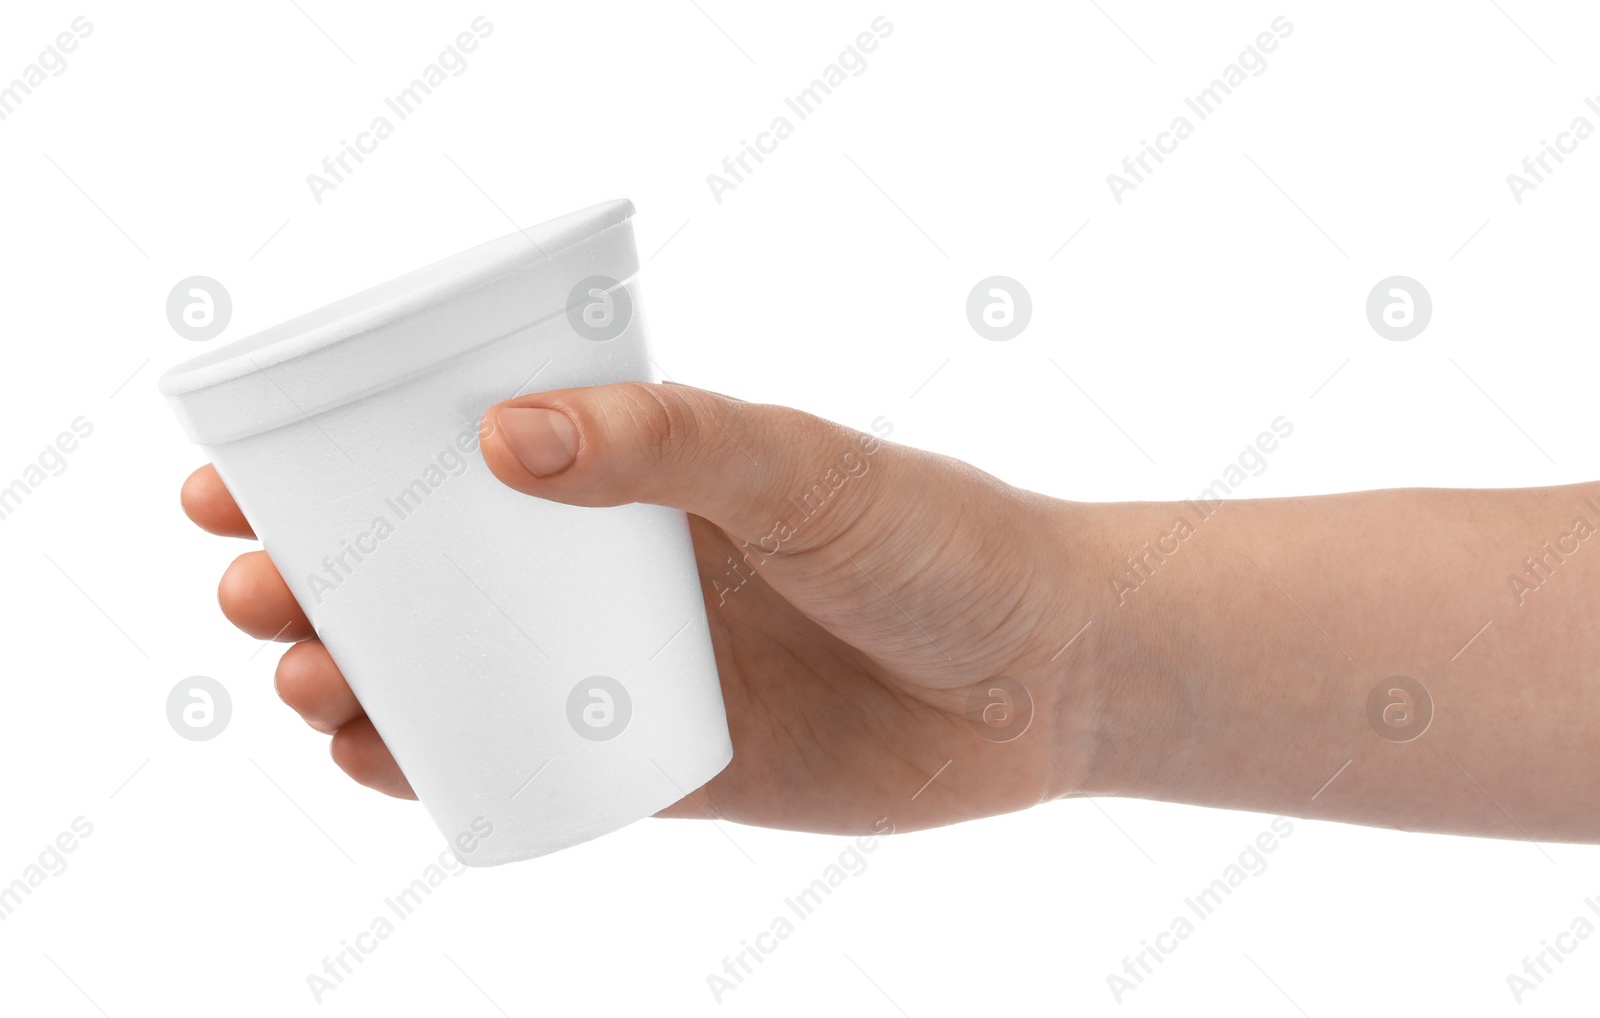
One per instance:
(322, 328)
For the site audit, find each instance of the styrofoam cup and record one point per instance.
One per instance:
(539, 670)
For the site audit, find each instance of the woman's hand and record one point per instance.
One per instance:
(888, 624)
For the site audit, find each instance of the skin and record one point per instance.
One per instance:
(1236, 671)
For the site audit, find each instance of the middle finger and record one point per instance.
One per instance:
(254, 597)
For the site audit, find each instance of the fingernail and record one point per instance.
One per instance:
(546, 441)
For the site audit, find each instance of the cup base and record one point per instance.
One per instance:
(489, 853)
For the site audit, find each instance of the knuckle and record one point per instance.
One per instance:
(663, 426)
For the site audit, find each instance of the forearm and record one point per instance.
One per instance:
(1240, 652)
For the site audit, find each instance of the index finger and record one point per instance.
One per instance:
(207, 501)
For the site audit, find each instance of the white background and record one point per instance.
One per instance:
(1227, 290)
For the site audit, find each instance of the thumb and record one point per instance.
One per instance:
(765, 474)
(916, 553)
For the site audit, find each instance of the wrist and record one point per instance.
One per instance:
(1118, 718)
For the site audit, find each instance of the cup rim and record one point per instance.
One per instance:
(388, 333)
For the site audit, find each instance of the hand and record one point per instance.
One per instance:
(848, 641)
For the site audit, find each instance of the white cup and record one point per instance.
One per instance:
(540, 670)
